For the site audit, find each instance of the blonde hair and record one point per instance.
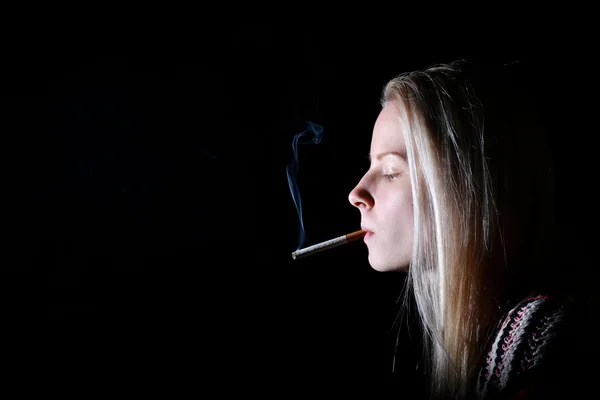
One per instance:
(482, 190)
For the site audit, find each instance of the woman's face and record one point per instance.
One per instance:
(384, 198)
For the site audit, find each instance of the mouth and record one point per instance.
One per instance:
(369, 233)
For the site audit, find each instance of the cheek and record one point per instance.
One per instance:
(402, 205)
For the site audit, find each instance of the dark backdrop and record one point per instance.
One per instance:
(151, 222)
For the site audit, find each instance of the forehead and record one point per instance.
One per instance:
(387, 132)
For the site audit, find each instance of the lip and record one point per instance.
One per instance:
(369, 232)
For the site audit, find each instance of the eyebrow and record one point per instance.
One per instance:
(387, 153)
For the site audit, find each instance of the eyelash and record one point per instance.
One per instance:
(391, 177)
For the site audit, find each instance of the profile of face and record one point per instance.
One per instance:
(384, 197)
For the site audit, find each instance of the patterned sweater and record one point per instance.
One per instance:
(523, 351)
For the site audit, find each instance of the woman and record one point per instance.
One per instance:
(459, 194)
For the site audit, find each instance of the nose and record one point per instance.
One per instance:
(360, 197)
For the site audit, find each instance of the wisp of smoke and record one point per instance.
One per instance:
(312, 134)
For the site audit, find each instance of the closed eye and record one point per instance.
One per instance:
(391, 177)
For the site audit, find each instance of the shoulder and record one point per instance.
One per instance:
(528, 346)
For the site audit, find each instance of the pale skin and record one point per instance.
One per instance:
(384, 197)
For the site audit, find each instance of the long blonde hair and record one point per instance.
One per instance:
(482, 194)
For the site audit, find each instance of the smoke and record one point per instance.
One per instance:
(313, 133)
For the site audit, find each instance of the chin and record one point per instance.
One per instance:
(387, 265)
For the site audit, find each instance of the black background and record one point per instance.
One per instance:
(151, 222)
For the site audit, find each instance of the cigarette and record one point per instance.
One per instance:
(328, 244)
